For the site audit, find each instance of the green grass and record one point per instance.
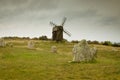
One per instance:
(20, 63)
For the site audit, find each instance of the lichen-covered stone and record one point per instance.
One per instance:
(82, 52)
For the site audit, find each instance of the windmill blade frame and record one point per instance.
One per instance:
(63, 21)
(53, 24)
(68, 33)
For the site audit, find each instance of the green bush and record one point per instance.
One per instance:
(43, 38)
(108, 43)
(74, 41)
(116, 45)
(93, 42)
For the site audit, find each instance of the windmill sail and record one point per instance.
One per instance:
(63, 22)
(68, 33)
(51, 23)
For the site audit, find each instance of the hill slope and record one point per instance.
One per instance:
(21, 63)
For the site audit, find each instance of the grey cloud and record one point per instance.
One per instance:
(114, 21)
(28, 4)
(9, 8)
(84, 13)
(87, 13)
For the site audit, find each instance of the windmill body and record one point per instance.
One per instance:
(57, 31)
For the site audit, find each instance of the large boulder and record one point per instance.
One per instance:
(82, 52)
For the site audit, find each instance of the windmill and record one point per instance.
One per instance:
(57, 31)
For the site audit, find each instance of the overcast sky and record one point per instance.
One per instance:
(86, 19)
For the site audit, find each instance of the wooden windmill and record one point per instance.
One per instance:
(57, 31)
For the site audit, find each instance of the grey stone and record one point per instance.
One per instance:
(2, 43)
(31, 45)
(54, 49)
(82, 52)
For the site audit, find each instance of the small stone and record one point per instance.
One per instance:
(2, 43)
(54, 49)
(31, 45)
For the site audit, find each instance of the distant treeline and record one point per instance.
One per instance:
(107, 43)
(27, 38)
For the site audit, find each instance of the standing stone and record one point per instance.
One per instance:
(9, 44)
(54, 49)
(93, 53)
(2, 43)
(82, 52)
(31, 45)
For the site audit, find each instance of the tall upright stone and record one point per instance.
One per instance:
(82, 52)
(2, 43)
(31, 45)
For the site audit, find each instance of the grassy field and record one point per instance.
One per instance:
(20, 63)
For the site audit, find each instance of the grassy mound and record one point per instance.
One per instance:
(21, 63)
